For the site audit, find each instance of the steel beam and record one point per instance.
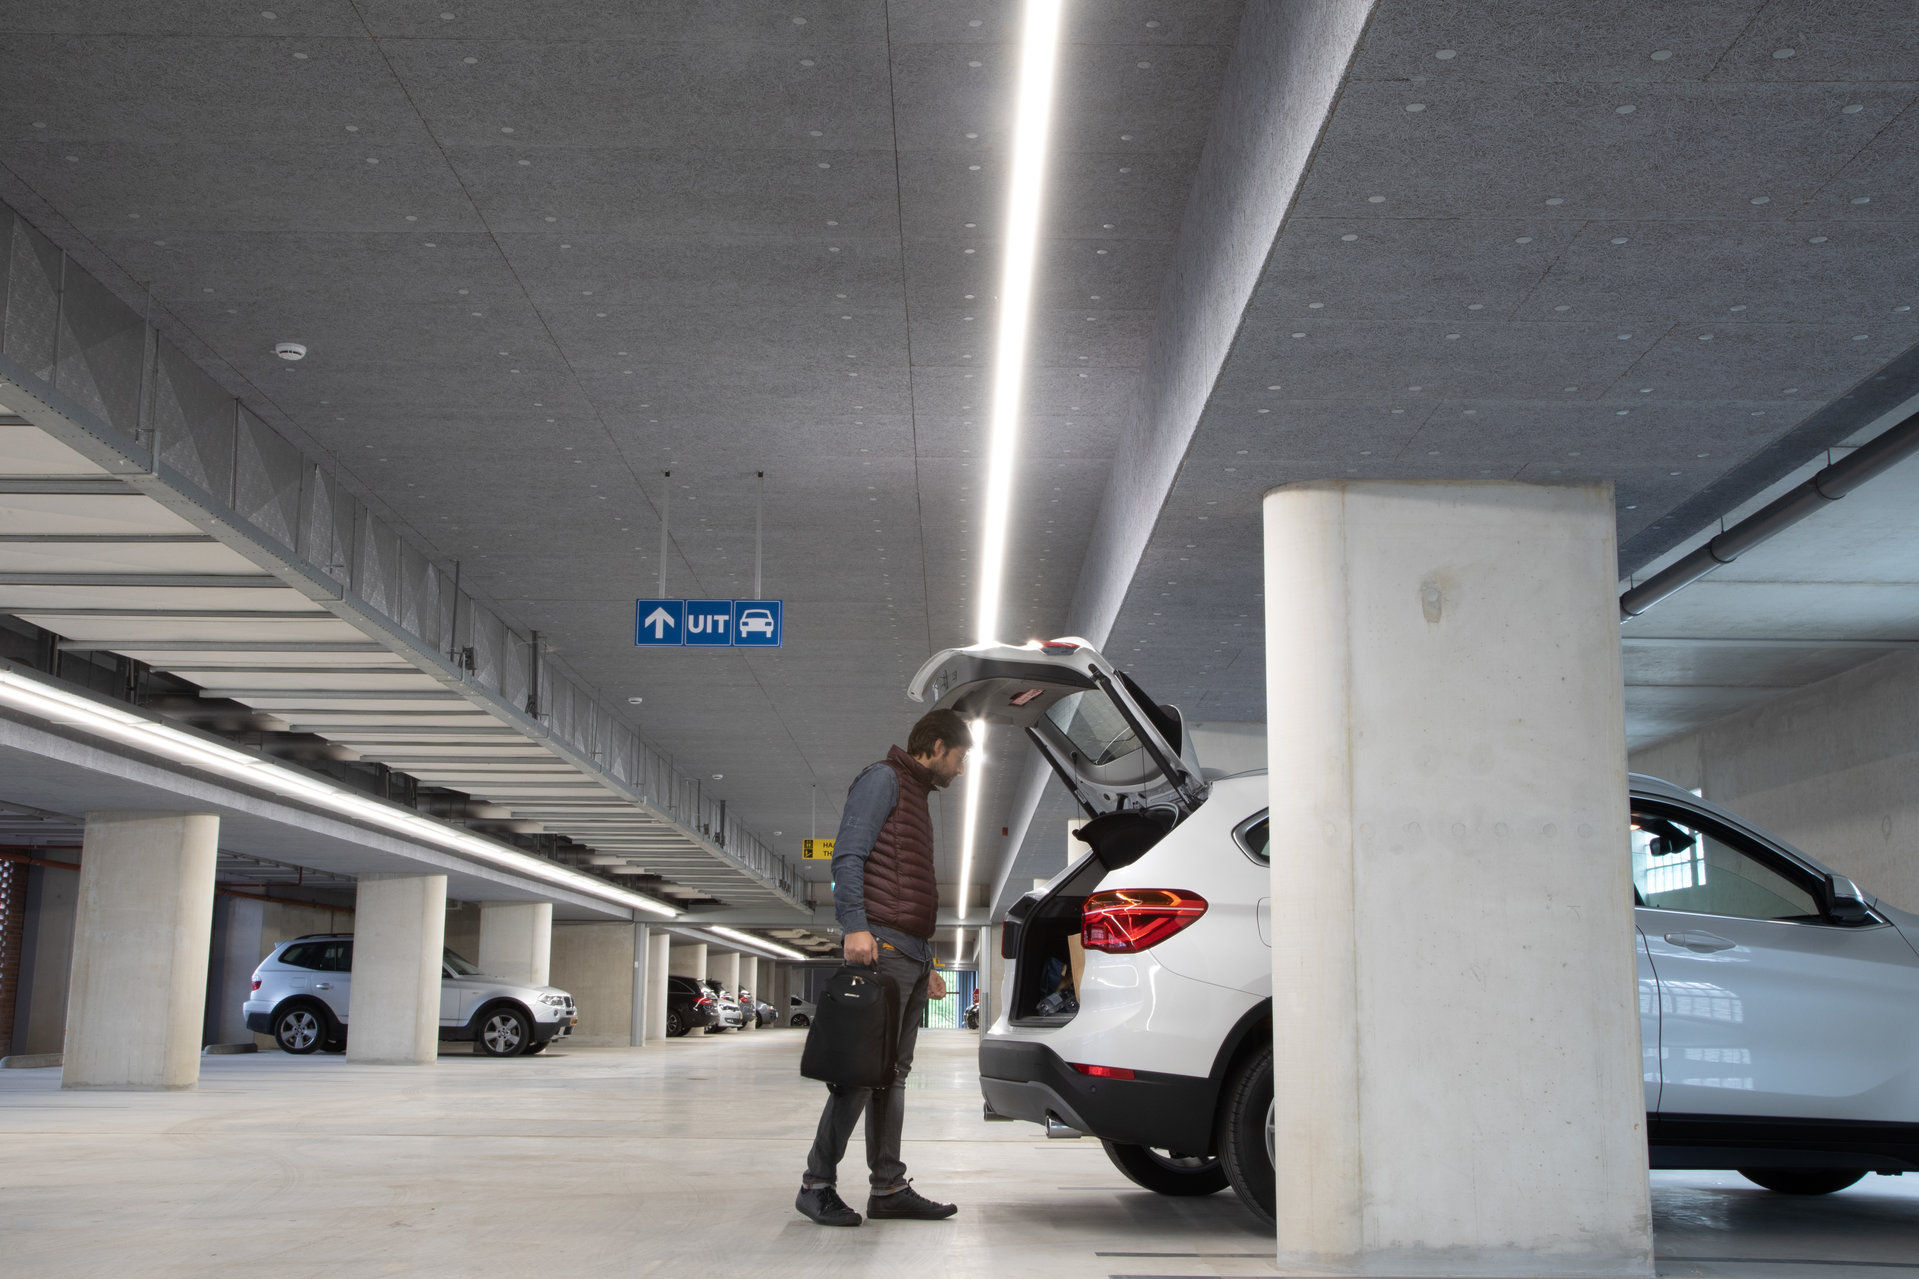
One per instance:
(174, 581)
(223, 646)
(109, 539)
(68, 485)
(337, 694)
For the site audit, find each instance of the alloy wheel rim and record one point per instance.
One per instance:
(502, 1034)
(1272, 1157)
(303, 1028)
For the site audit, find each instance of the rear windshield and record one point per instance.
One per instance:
(1094, 726)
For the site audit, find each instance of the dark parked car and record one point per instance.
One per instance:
(688, 1005)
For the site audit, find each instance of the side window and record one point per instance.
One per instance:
(1680, 864)
(337, 957)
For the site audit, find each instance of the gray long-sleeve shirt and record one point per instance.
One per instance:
(875, 793)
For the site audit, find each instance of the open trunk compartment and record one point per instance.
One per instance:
(1040, 927)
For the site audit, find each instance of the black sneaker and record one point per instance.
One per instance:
(908, 1205)
(824, 1205)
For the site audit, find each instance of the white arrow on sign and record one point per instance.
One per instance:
(659, 619)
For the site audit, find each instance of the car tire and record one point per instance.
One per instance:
(799, 1021)
(1165, 1173)
(300, 1029)
(1246, 1131)
(675, 1024)
(1803, 1181)
(504, 1032)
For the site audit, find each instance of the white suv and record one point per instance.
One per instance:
(301, 993)
(1779, 1004)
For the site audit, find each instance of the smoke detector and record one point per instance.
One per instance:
(290, 350)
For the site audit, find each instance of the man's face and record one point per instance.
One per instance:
(947, 764)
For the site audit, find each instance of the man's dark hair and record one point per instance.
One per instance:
(936, 727)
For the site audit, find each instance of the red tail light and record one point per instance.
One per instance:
(1135, 919)
(1103, 1072)
(256, 985)
(703, 1001)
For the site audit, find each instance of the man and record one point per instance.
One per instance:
(885, 898)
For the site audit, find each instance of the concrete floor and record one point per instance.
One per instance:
(678, 1160)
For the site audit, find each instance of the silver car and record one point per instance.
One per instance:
(301, 992)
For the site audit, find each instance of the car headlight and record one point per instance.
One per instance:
(558, 1001)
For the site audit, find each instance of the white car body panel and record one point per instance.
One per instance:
(1806, 1020)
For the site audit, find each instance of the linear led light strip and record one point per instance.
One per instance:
(127, 728)
(747, 939)
(1039, 55)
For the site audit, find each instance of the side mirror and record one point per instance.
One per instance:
(1844, 903)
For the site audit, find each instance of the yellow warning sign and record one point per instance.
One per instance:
(816, 850)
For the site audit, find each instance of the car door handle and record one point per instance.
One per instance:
(1700, 941)
(323, 985)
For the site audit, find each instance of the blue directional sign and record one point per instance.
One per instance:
(759, 623)
(709, 623)
(659, 622)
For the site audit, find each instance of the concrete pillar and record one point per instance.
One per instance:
(237, 924)
(516, 941)
(750, 978)
(659, 946)
(398, 929)
(1457, 1073)
(136, 999)
(993, 973)
(642, 951)
(725, 969)
(593, 962)
(688, 960)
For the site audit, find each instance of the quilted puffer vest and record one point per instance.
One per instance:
(901, 891)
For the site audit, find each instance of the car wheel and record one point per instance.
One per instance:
(1246, 1132)
(1803, 1181)
(300, 1029)
(675, 1024)
(799, 1021)
(504, 1033)
(1166, 1173)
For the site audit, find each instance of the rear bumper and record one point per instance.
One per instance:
(260, 1023)
(1024, 1080)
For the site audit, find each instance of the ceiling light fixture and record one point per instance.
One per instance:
(101, 719)
(1032, 121)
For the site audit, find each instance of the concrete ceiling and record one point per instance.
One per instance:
(543, 254)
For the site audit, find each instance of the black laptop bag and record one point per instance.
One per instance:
(854, 1031)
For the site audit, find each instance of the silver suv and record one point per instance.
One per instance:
(301, 989)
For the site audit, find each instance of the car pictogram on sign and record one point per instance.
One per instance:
(757, 621)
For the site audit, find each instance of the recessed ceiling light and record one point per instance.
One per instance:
(1660, 55)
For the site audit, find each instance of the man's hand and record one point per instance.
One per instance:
(935, 985)
(862, 948)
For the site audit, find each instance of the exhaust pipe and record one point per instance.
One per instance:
(1057, 1127)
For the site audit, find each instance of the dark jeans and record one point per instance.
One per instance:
(885, 1107)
